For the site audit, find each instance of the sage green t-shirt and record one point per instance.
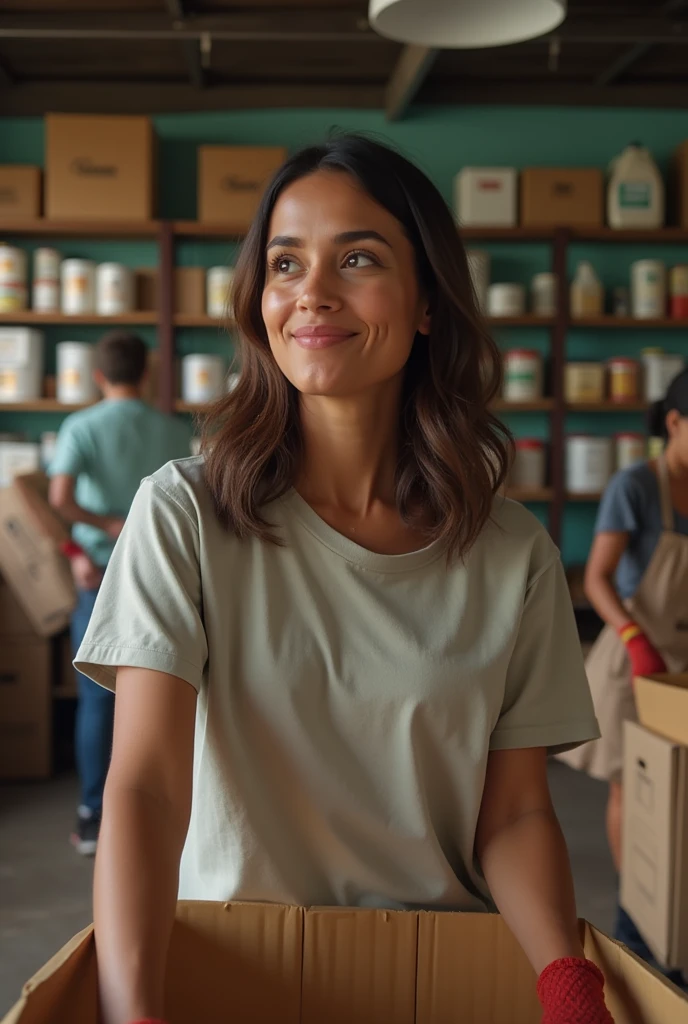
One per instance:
(347, 700)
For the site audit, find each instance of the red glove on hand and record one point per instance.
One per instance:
(645, 659)
(572, 992)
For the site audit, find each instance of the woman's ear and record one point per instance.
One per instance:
(425, 322)
(673, 420)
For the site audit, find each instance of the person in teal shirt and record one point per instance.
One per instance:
(101, 456)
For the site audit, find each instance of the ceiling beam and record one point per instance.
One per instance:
(411, 70)
(463, 91)
(618, 67)
(6, 76)
(191, 47)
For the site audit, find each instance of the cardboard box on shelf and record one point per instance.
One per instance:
(486, 197)
(680, 183)
(562, 197)
(99, 167)
(30, 559)
(14, 621)
(340, 965)
(231, 181)
(25, 708)
(20, 192)
(662, 703)
(654, 877)
(189, 290)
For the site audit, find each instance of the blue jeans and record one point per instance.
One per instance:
(94, 717)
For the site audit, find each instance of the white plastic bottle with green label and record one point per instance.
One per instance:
(635, 194)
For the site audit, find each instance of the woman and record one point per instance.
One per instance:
(375, 653)
(637, 580)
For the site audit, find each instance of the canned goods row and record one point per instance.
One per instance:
(590, 461)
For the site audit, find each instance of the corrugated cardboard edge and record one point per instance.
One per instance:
(62, 968)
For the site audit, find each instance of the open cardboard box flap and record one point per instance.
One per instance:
(662, 703)
(268, 964)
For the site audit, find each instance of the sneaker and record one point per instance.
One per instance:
(85, 836)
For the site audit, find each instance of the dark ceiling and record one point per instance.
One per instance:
(175, 55)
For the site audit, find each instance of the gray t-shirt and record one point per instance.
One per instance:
(347, 700)
(631, 504)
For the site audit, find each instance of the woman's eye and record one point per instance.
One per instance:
(284, 265)
(358, 259)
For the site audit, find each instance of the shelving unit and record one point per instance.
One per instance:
(630, 323)
(608, 406)
(41, 405)
(29, 318)
(541, 495)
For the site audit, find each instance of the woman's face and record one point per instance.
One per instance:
(341, 301)
(677, 427)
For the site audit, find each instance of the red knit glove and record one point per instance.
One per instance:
(572, 992)
(645, 659)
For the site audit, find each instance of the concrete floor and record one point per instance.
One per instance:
(45, 887)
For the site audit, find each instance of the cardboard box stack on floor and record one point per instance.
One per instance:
(36, 599)
(654, 880)
(272, 964)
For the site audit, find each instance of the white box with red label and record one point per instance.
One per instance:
(486, 197)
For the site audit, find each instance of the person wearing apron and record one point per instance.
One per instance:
(637, 580)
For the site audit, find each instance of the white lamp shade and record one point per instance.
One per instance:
(465, 24)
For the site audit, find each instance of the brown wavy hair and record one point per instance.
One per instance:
(454, 453)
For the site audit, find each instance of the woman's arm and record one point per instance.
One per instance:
(605, 555)
(146, 813)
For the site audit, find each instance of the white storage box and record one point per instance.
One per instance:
(486, 197)
(17, 458)
(21, 364)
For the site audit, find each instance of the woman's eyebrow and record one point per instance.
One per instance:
(290, 241)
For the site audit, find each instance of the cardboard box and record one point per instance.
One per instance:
(25, 708)
(680, 183)
(14, 622)
(559, 197)
(189, 290)
(231, 181)
(654, 878)
(662, 704)
(20, 192)
(486, 197)
(30, 560)
(269, 963)
(64, 682)
(99, 168)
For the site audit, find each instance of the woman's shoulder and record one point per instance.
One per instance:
(181, 483)
(514, 535)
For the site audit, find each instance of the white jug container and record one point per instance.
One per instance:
(635, 193)
(203, 378)
(114, 289)
(75, 364)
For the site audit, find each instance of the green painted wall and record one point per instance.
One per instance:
(440, 141)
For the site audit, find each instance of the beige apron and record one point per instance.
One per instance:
(660, 607)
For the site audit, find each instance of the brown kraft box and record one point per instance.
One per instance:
(20, 192)
(231, 181)
(562, 197)
(25, 708)
(99, 168)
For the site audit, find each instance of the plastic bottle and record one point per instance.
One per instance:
(635, 194)
(587, 293)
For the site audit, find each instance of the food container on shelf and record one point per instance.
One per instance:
(479, 267)
(114, 289)
(630, 448)
(621, 298)
(648, 290)
(678, 292)
(46, 280)
(528, 468)
(522, 375)
(586, 296)
(660, 368)
(21, 364)
(635, 194)
(624, 379)
(486, 197)
(17, 458)
(13, 288)
(78, 287)
(75, 365)
(203, 378)
(218, 291)
(589, 463)
(655, 447)
(543, 290)
(506, 300)
(584, 382)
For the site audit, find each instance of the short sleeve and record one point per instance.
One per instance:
(621, 506)
(148, 611)
(547, 700)
(70, 455)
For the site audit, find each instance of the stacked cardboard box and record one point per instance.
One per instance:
(654, 880)
(269, 963)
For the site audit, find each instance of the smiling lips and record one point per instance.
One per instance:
(314, 336)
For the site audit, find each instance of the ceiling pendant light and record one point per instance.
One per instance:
(465, 24)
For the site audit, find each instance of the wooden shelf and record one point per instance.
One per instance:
(524, 495)
(81, 228)
(540, 405)
(526, 320)
(607, 406)
(194, 407)
(629, 322)
(41, 405)
(517, 234)
(198, 229)
(140, 318)
(592, 498)
(201, 320)
(605, 234)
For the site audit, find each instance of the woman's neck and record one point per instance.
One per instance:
(678, 470)
(350, 449)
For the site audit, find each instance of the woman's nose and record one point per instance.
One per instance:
(319, 291)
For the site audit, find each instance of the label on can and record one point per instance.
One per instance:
(635, 195)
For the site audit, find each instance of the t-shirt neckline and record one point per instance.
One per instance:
(353, 552)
